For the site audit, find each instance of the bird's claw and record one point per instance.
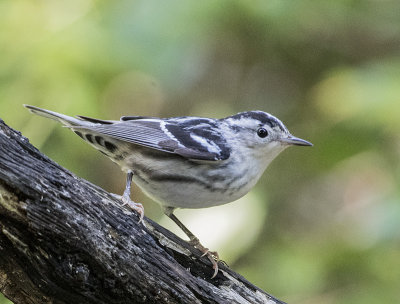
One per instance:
(212, 256)
(135, 206)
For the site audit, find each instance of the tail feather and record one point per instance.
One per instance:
(64, 119)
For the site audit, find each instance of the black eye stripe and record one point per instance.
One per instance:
(262, 132)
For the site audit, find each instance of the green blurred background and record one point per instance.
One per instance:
(323, 224)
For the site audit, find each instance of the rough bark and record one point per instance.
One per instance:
(65, 240)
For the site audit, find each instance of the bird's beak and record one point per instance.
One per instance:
(291, 140)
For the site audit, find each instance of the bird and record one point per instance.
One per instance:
(186, 162)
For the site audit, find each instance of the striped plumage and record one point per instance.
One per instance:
(186, 162)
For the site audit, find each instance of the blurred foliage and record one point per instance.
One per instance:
(323, 224)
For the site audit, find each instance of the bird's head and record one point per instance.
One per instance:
(259, 134)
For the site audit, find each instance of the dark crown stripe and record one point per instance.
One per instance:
(262, 117)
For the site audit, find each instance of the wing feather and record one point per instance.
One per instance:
(164, 136)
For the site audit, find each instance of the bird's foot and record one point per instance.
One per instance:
(133, 205)
(212, 256)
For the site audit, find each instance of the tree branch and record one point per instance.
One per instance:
(64, 240)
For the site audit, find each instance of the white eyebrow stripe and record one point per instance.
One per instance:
(209, 145)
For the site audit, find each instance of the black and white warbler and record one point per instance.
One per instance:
(186, 162)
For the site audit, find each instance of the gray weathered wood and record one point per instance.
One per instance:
(65, 240)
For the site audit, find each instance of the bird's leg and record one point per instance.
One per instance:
(126, 197)
(194, 241)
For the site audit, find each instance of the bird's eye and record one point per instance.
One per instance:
(261, 132)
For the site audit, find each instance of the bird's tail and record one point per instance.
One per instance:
(64, 119)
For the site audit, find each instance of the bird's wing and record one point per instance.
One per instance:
(197, 142)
